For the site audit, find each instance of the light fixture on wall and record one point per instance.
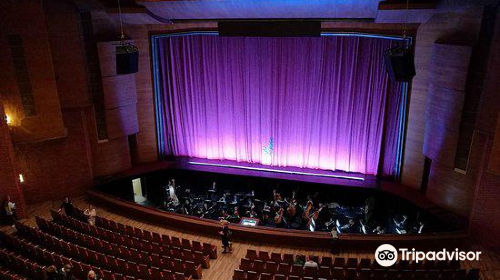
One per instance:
(21, 178)
(7, 119)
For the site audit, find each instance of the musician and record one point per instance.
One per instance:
(379, 230)
(401, 223)
(251, 212)
(292, 209)
(349, 227)
(279, 220)
(235, 217)
(418, 228)
(173, 199)
(266, 221)
(223, 215)
(369, 211)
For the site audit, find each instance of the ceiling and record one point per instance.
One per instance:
(162, 11)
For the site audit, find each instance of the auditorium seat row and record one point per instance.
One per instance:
(264, 266)
(271, 270)
(8, 274)
(14, 266)
(347, 263)
(152, 258)
(366, 274)
(134, 234)
(23, 263)
(34, 240)
(31, 261)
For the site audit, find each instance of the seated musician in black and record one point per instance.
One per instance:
(349, 227)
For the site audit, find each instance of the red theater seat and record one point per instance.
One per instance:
(284, 268)
(276, 257)
(251, 254)
(288, 258)
(252, 275)
(263, 256)
(266, 276)
(239, 275)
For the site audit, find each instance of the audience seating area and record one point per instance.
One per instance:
(137, 234)
(264, 266)
(16, 267)
(125, 253)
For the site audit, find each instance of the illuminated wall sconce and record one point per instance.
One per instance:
(7, 119)
(21, 178)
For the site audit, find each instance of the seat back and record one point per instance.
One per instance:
(263, 256)
(271, 267)
(251, 254)
(266, 276)
(279, 277)
(351, 263)
(284, 268)
(326, 261)
(246, 264)
(276, 257)
(339, 262)
(239, 275)
(288, 258)
(252, 275)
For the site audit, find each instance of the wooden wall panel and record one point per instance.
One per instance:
(466, 24)
(14, 18)
(449, 64)
(485, 222)
(119, 91)
(122, 121)
(60, 167)
(448, 69)
(111, 157)
(120, 94)
(9, 181)
(68, 56)
(494, 162)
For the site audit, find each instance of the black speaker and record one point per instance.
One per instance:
(269, 28)
(399, 64)
(127, 59)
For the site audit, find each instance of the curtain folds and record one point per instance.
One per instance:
(316, 102)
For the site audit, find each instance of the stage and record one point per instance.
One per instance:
(317, 176)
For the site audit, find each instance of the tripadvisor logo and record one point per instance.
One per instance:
(387, 255)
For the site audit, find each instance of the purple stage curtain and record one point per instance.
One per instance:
(315, 102)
